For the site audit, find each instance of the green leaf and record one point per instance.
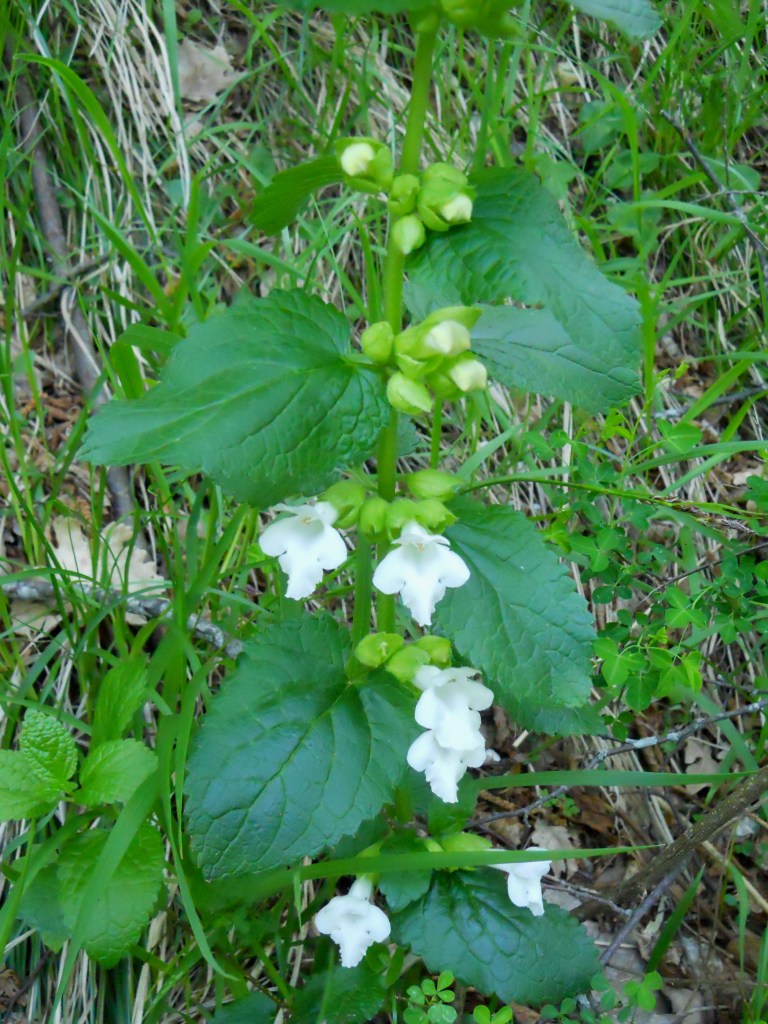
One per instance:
(347, 995)
(635, 18)
(291, 756)
(402, 887)
(531, 349)
(262, 397)
(520, 620)
(113, 771)
(517, 245)
(40, 908)
(466, 924)
(48, 748)
(117, 919)
(281, 200)
(22, 793)
(256, 1008)
(121, 693)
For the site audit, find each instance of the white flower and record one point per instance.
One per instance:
(353, 922)
(420, 570)
(457, 210)
(524, 882)
(305, 544)
(450, 705)
(442, 766)
(357, 158)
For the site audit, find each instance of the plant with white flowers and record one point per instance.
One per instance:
(395, 605)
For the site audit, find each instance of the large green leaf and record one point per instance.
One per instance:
(255, 1008)
(121, 693)
(40, 908)
(282, 199)
(636, 18)
(292, 756)
(466, 924)
(113, 924)
(520, 620)
(530, 349)
(518, 246)
(347, 995)
(113, 771)
(262, 397)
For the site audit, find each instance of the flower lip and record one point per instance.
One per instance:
(420, 569)
(305, 544)
(353, 922)
(524, 882)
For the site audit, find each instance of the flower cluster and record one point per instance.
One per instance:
(420, 568)
(449, 709)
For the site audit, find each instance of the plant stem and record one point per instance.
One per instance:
(437, 434)
(361, 619)
(393, 288)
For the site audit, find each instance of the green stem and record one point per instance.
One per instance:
(437, 435)
(394, 268)
(361, 619)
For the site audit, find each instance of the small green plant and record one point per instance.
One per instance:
(428, 1002)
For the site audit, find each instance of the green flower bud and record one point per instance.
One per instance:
(346, 496)
(425, 21)
(444, 333)
(442, 386)
(408, 234)
(400, 512)
(402, 194)
(377, 341)
(469, 375)
(367, 163)
(433, 515)
(377, 648)
(448, 338)
(445, 197)
(464, 842)
(432, 483)
(438, 649)
(408, 395)
(490, 17)
(373, 518)
(405, 663)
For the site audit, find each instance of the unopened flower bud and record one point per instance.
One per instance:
(367, 163)
(442, 386)
(464, 842)
(406, 662)
(408, 234)
(437, 647)
(347, 497)
(402, 194)
(449, 338)
(400, 512)
(408, 396)
(433, 515)
(469, 375)
(357, 158)
(377, 648)
(457, 210)
(432, 483)
(377, 341)
(373, 518)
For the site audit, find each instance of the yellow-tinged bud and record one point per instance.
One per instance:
(457, 210)
(464, 842)
(432, 483)
(448, 338)
(469, 375)
(408, 234)
(408, 396)
(377, 341)
(438, 649)
(400, 512)
(405, 663)
(373, 518)
(377, 648)
(346, 496)
(402, 194)
(367, 163)
(433, 515)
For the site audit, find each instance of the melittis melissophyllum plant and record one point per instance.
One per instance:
(368, 732)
